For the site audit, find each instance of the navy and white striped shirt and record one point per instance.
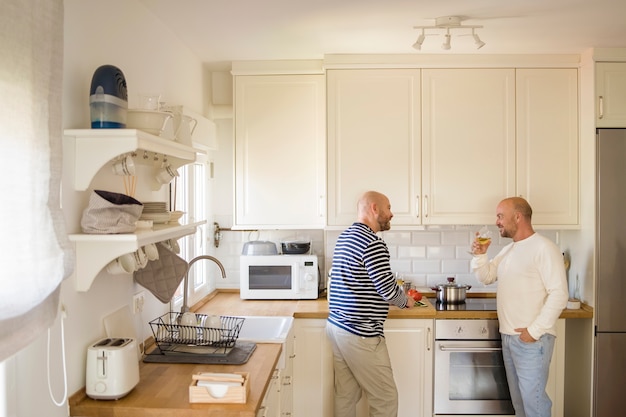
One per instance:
(362, 285)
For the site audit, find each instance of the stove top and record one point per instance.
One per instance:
(471, 304)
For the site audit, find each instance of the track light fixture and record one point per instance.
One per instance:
(446, 43)
(449, 23)
(479, 44)
(420, 40)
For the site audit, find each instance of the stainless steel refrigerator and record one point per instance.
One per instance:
(610, 303)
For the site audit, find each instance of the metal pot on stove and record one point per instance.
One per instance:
(451, 292)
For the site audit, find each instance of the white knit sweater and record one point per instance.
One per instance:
(532, 288)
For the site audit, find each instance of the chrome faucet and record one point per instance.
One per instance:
(185, 308)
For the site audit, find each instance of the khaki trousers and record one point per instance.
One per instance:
(362, 364)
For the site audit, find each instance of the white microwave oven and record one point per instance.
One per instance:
(279, 277)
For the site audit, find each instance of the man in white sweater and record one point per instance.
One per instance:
(531, 294)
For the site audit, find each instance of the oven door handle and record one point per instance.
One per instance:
(444, 348)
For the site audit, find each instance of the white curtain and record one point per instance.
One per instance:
(35, 255)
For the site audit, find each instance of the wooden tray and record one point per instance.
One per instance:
(235, 394)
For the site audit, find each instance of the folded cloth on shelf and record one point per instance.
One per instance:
(109, 213)
(163, 275)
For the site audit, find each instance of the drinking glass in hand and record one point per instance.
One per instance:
(483, 237)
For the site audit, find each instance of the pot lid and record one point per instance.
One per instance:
(295, 241)
(452, 284)
(260, 243)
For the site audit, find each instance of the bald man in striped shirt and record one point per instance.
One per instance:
(361, 289)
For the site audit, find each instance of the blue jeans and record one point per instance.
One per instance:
(527, 367)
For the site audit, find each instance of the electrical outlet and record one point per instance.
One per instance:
(138, 300)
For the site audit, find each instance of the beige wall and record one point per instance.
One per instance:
(124, 34)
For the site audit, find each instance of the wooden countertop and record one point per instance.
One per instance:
(163, 390)
(229, 303)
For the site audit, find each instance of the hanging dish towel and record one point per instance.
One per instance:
(162, 276)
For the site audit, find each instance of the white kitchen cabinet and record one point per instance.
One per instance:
(280, 151)
(611, 94)
(85, 152)
(270, 406)
(409, 342)
(374, 142)
(547, 143)
(441, 148)
(278, 398)
(410, 345)
(286, 377)
(446, 145)
(468, 143)
(313, 386)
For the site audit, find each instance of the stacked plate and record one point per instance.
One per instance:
(155, 211)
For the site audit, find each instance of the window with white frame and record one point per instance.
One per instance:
(188, 194)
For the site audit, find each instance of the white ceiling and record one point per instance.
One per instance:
(229, 30)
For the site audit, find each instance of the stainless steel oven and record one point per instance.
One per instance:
(469, 371)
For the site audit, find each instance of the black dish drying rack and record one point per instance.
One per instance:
(172, 337)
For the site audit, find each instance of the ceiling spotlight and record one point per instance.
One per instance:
(446, 44)
(449, 24)
(420, 40)
(479, 44)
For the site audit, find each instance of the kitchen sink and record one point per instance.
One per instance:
(265, 329)
(268, 329)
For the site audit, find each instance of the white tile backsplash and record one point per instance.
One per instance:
(453, 266)
(435, 253)
(425, 257)
(397, 238)
(426, 238)
(412, 252)
(231, 245)
(426, 266)
(455, 238)
(440, 252)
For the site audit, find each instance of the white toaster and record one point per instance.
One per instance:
(112, 368)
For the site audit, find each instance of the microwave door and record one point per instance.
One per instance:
(270, 277)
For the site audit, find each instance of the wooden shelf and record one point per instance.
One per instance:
(93, 148)
(94, 252)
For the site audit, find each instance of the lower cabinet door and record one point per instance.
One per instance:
(270, 407)
(410, 344)
(313, 384)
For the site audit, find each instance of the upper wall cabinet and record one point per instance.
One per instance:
(547, 143)
(440, 146)
(468, 143)
(279, 151)
(611, 94)
(446, 145)
(374, 141)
